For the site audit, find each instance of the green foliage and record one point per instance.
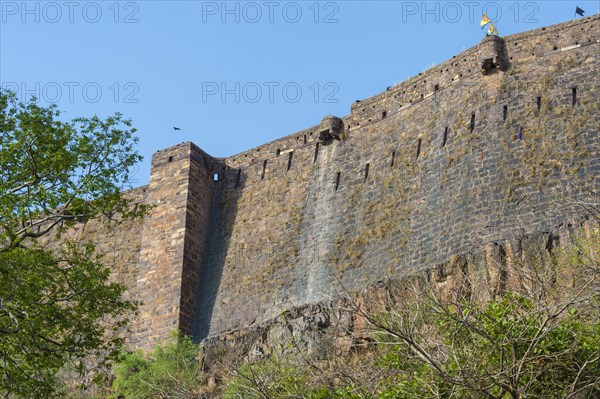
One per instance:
(173, 370)
(504, 348)
(275, 378)
(49, 313)
(53, 173)
(58, 310)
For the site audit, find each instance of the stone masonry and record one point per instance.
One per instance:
(497, 142)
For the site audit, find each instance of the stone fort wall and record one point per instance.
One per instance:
(448, 162)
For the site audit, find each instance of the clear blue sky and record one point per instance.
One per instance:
(236, 75)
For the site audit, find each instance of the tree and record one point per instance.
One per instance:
(542, 341)
(56, 172)
(57, 309)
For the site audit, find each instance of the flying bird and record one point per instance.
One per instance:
(176, 128)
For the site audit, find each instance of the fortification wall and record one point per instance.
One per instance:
(437, 166)
(453, 161)
(335, 328)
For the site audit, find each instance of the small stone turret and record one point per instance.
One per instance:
(330, 128)
(493, 54)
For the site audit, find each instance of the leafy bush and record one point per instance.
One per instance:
(170, 371)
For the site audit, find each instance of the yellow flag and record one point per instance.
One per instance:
(484, 20)
(492, 30)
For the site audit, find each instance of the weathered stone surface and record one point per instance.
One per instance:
(335, 327)
(451, 167)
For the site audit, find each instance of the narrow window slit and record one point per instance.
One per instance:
(290, 156)
(574, 95)
(367, 171)
(262, 176)
(337, 180)
(505, 112)
(171, 158)
(418, 148)
(472, 122)
(445, 138)
(238, 178)
(383, 114)
(539, 103)
(305, 139)
(278, 151)
(316, 152)
(436, 87)
(215, 177)
(393, 158)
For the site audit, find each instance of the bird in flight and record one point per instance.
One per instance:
(176, 128)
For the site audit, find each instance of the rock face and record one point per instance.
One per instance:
(498, 143)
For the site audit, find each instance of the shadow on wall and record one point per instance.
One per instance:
(222, 219)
